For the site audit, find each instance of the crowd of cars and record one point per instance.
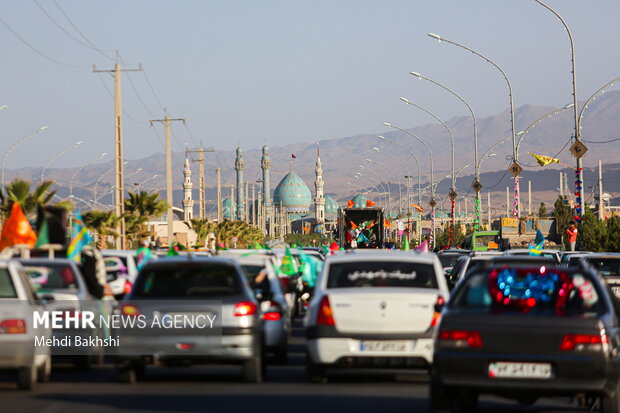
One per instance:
(501, 323)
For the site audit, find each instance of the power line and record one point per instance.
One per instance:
(39, 52)
(148, 82)
(112, 97)
(609, 141)
(135, 90)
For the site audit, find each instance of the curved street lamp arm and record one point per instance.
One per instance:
(537, 121)
(591, 98)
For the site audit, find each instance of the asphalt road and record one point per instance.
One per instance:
(219, 389)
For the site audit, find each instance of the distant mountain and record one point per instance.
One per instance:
(341, 156)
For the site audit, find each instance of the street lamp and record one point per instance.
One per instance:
(537, 121)
(579, 187)
(591, 98)
(400, 195)
(374, 182)
(476, 186)
(516, 210)
(383, 138)
(58, 155)
(407, 174)
(6, 153)
(109, 171)
(77, 171)
(384, 186)
(432, 202)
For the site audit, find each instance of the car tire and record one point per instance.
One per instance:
(441, 398)
(611, 404)
(127, 375)
(44, 372)
(315, 373)
(253, 370)
(27, 377)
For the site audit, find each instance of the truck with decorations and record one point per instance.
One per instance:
(361, 227)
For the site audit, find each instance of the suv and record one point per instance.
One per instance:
(188, 286)
(18, 302)
(374, 309)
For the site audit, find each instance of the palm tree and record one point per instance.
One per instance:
(19, 191)
(202, 228)
(140, 207)
(103, 223)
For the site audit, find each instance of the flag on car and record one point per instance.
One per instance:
(172, 251)
(405, 246)
(418, 207)
(539, 242)
(350, 203)
(43, 237)
(80, 237)
(544, 160)
(423, 247)
(17, 229)
(288, 267)
(369, 203)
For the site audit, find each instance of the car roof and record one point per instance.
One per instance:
(43, 260)
(383, 255)
(190, 259)
(603, 255)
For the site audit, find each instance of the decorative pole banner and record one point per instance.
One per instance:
(578, 188)
(432, 237)
(477, 210)
(451, 224)
(515, 206)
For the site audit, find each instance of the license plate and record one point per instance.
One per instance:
(386, 346)
(499, 370)
(616, 290)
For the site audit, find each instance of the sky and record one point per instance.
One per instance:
(278, 71)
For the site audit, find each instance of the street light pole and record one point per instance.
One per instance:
(416, 161)
(58, 155)
(6, 153)
(579, 186)
(476, 186)
(384, 186)
(77, 171)
(516, 210)
(400, 195)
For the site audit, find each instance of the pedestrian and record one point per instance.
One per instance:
(571, 233)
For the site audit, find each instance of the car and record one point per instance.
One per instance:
(448, 258)
(607, 264)
(466, 262)
(526, 333)
(555, 254)
(566, 256)
(374, 309)
(274, 306)
(190, 286)
(60, 281)
(18, 349)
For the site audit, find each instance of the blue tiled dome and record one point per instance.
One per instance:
(359, 201)
(227, 211)
(331, 206)
(293, 193)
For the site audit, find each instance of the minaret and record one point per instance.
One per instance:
(265, 165)
(319, 200)
(239, 167)
(188, 202)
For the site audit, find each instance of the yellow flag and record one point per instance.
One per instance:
(544, 160)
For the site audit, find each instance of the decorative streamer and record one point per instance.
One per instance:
(515, 205)
(477, 210)
(451, 224)
(432, 237)
(578, 188)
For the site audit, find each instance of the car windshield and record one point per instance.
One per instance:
(607, 267)
(533, 291)
(195, 281)
(358, 274)
(52, 276)
(7, 289)
(448, 260)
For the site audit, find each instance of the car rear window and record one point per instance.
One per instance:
(7, 289)
(529, 291)
(381, 274)
(607, 267)
(187, 281)
(252, 272)
(52, 276)
(448, 260)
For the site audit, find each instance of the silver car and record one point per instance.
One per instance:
(18, 302)
(188, 288)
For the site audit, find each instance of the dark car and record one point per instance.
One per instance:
(607, 264)
(526, 333)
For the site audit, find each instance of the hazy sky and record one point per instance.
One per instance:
(281, 70)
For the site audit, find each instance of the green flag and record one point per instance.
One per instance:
(43, 237)
(172, 252)
(257, 246)
(405, 246)
(288, 266)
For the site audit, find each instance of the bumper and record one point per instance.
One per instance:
(347, 352)
(276, 333)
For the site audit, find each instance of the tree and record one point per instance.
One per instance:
(141, 207)
(103, 223)
(542, 210)
(19, 191)
(202, 228)
(592, 232)
(563, 215)
(613, 232)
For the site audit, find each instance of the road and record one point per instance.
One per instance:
(219, 389)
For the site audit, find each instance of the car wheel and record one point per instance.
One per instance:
(611, 404)
(127, 375)
(441, 398)
(44, 372)
(315, 373)
(253, 370)
(27, 377)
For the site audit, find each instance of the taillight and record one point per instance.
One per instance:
(460, 338)
(583, 342)
(439, 303)
(127, 287)
(273, 313)
(244, 308)
(13, 326)
(326, 315)
(130, 310)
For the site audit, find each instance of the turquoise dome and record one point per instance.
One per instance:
(360, 201)
(294, 195)
(227, 211)
(331, 206)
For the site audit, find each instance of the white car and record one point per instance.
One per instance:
(18, 302)
(374, 309)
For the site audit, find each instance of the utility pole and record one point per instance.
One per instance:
(489, 208)
(219, 194)
(561, 185)
(529, 197)
(253, 206)
(601, 206)
(202, 211)
(247, 210)
(119, 191)
(166, 121)
(507, 201)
